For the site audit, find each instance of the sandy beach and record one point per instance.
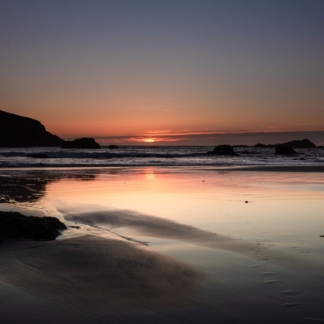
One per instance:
(182, 245)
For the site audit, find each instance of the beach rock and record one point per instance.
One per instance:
(285, 150)
(19, 131)
(38, 156)
(113, 147)
(16, 225)
(223, 150)
(81, 143)
(305, 143)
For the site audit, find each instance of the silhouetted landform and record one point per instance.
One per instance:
(18, 131)
(305, 143)
(241, 145)
(16, 225)
(113, 147)
(320, 147)
(38, 156)
(81, 143)
(222, 150)
(260, 145)
(285, 150)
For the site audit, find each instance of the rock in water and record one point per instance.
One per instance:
(260, 145)
(113, 147)
(81, 143)
(18, 131)
(16, 225)
(285, 150)
(223, 150)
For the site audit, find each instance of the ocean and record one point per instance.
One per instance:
(154, 156)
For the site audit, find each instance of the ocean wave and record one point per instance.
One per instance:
(151, 156)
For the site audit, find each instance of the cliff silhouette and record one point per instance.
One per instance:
(19, 131)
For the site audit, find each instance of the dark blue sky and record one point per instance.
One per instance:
(110, 68)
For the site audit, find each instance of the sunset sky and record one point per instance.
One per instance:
(166, 71)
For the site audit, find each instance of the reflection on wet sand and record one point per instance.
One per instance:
(94, 266)
(30, 186)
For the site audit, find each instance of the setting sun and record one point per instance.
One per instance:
(149, 140)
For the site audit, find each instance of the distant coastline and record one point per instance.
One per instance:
(20, 131)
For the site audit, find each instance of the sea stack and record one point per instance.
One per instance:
(81, 143)
(223, 150)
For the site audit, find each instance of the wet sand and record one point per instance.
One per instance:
(97, 273)
(128, 265)
(156, 227)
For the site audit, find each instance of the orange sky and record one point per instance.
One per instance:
(129, 72)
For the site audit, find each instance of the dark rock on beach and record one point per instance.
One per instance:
(19, 131)
(81, 143)
(285, 150)
(223, 150)
(16, 225)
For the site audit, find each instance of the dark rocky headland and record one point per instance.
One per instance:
(18, 131)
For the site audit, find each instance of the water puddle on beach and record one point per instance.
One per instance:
(190, 245)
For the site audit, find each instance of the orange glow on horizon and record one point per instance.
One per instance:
(149, 140)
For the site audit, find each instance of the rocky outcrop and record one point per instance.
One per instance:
(81, 143)
(305, 143)
(18, 131)
(16, 225)
(223, 150)
(260, 145)
(284, 150)
(113, 147)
